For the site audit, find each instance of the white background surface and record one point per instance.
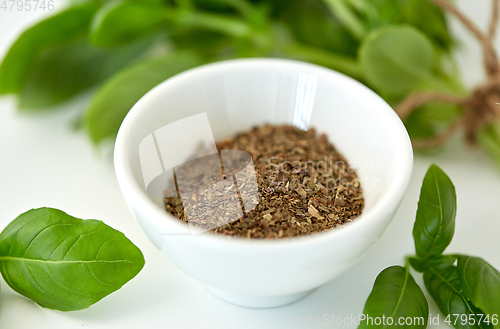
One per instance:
(44, 162)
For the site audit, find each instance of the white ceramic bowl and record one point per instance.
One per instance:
(237, 95)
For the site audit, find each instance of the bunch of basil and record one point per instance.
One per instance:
(123, 48)
(465, 288)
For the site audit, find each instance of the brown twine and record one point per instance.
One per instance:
(480, 107)
(492, 64)
(414, 101)
(494, 19)
(490, 58)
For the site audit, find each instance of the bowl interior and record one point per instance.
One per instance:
(237, 95)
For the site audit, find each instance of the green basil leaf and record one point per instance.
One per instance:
(422, 14)
(120, 22)
(57, 30)
(311, 23)
(481, 284)
(378, 13)
(63, 72)
(428, 18)
(419, 125)
(215, 6)
(442, 283)
(430, 119)
(206, 43)
(113, 100)
(419, 264)
(65, 263)
(395, 294)
(345, 11)
(397, 59)
(276, 7)
(437, 207)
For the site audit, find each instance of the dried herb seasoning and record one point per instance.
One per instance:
(304, 185)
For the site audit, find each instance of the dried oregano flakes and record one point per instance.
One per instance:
(304, 186)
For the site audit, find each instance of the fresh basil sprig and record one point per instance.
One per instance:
(467, 292)
(65, 263)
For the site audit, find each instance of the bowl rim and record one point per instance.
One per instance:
(382, 208)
